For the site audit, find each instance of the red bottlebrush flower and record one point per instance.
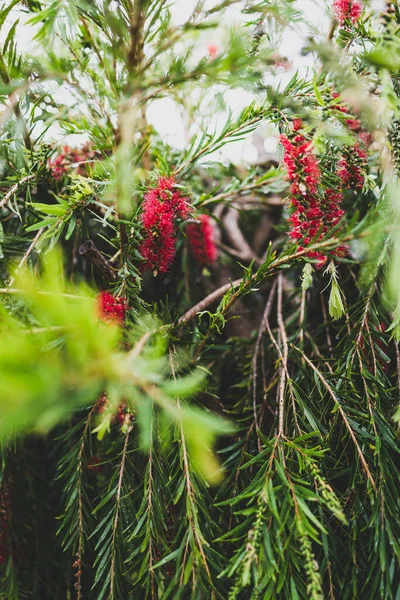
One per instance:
(353, 124)
(69, 157)
(101, 403)
(297, 124)
(111, 308)
(365, 138)
(353, 162)
(352, 166)
(339, 107)
(347, 10)
(162, 206)
(212, 50)
(124, 418)
(201, 240)
(315, 214)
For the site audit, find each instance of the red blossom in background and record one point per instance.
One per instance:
(315, 214)
(347, 9)
(212, 50)
(111, 308)
(94, 464)
(201, 237)
(353, 124)
(354, 159)
(162, 206)
(351, 167)
(62, 163)
(101, 403)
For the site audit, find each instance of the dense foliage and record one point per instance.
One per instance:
(199, 362)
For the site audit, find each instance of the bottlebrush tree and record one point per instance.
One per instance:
(199, 361)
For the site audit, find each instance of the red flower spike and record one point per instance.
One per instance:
(347, 10)
(212, 50)
(63, 162)
(101, 403)
(201, 240)
(297, 124)
(315, 214)
(162, 206)
(352, 166)
(354, 159)
(111, 308)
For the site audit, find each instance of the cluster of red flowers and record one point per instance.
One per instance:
(352, 164)
(201, 237)
(101, 403)
(162, 206)
(111, 308)
(347, 10)
(351, 167)
(315, 214)
(5, 501)
(63, 162)
(123, 416)
(213, 50)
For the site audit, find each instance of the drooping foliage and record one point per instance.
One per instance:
(199, 361)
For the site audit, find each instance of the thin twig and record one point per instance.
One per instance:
(318, 353)
(283, 368)
(219, 293)
(210, 299)
(13, 189)
(241, 256)
(27, 254)
(342, 413)
(272, 200)
(285, 344)
(261, 330)
(302, 313)
(189, 488)
(328, 335)
(138, 347)
(285, 357)
(115, 524)
(207, 148)
(150, 509)
(235, 235)
(79, 553)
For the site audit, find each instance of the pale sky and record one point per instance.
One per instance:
(164, 114)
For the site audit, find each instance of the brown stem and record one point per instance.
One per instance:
(149, 511)
(342, 413)
(27, 254)
(80, 550)
(90, 251)
(219, 293)
(13, 189)
(263, 326)
(284, 362)
(190, 491)
(115, 524)
(235, 235)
